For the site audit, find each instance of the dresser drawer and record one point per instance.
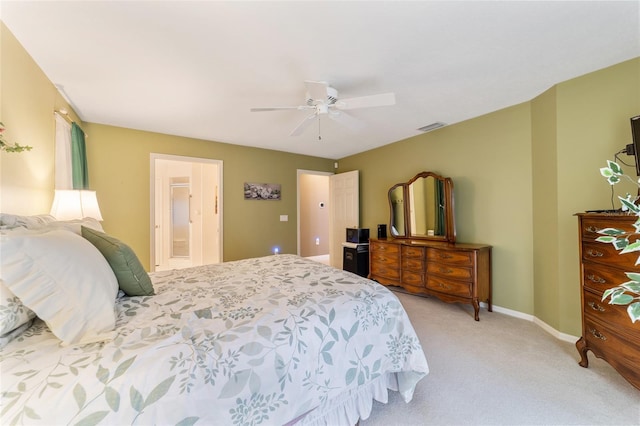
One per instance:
(592, 225)
(464, 258)
(449, 271)
(413, 264)
(385, 271)
(452, 287)
(378, 247)
(413, 278)
(388, 259)
(408, 251)
(617, 349)
(607, 254)
(598, 278)
(614, 315)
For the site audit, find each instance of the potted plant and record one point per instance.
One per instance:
(628, 293)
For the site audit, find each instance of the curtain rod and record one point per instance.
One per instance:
(64, 114)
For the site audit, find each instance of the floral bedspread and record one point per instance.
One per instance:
(255, 341)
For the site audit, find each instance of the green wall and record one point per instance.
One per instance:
(119, 171)
(520, 174)
(545, 208)
(27, 102)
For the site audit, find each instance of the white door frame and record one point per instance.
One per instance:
(300, 173)
(152, 207)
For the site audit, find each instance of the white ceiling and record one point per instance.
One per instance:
(196, 68)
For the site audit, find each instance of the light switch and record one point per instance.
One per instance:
(284, 218)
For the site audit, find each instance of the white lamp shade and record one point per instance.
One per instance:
(71, 204)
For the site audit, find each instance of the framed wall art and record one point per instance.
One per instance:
(262, 191)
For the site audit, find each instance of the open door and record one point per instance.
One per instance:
(186, 211)
(344, 193)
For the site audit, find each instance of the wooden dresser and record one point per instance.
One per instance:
(451, 272)
(607, 330)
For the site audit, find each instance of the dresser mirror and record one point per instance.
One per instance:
(422, 208)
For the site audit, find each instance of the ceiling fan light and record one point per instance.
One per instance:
(323, 99)
(432, 126)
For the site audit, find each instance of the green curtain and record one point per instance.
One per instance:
(439, 198)
(80, 172)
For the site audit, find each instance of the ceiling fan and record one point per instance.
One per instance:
(322, 99)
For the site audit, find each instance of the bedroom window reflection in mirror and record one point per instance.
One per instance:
(180, 217)
(396, 197)
(426, 197)
(422, 208)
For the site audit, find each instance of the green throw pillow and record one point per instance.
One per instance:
(132, 278)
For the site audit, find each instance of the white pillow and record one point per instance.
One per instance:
(8, 220)
(45, 221)
(64, 279)
(13, 313)
(75, 225)
(6, 338)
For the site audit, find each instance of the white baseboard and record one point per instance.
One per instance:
(537, 321)
(555, 333)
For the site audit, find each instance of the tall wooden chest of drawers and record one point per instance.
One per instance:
(607, 330)
(451, 272)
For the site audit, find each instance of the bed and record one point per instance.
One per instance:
(271, 340)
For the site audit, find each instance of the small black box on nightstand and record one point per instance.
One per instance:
(358, 235)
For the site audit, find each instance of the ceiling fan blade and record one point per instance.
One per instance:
(382, 99)
(317, 90)
(346, 120)
(301, 107)
(302, 126)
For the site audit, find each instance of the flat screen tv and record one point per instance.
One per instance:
(635, 146)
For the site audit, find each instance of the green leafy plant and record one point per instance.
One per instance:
(627, 293)
(9, 147)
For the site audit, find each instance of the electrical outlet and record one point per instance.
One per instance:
(317, 241)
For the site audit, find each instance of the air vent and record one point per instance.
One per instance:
(432, 126)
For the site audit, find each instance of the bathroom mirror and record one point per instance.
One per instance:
(180, 217)
(422, 208)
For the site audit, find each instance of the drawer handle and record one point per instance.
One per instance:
(596, 279)
(445, 270)
(596, 307)
(592, 229)
(445, 256)
(594, 253)
(597, 334)
(446, 287)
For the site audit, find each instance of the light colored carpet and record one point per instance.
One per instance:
(503, 371)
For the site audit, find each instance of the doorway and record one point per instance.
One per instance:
(313, 215)
(322, 224)
(186, 211)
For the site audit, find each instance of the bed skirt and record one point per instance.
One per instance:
(356, 404)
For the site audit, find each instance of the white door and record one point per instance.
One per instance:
(344, 191)
(186, 211)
